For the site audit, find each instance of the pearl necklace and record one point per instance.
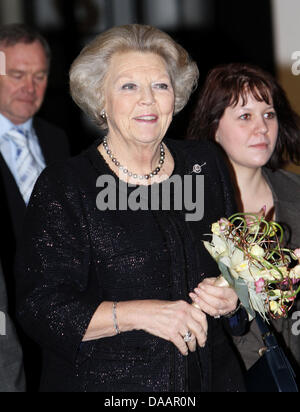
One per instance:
(131, 174)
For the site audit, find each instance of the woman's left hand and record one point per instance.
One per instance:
(216, 301)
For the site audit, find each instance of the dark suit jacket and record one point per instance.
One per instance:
(55, 146)
(12, 378)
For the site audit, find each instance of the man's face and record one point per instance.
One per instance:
(23, 87)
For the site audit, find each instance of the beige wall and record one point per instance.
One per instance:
(286, 23)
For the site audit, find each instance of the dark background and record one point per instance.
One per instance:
(234, 31)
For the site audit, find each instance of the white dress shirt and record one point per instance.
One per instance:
(9, 152)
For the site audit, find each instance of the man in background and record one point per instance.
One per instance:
(27, 143)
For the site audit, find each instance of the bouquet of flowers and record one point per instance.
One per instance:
(264, 275)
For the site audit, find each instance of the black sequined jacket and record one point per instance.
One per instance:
(73, 256)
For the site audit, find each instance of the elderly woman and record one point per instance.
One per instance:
(247, 113)
(111, 249)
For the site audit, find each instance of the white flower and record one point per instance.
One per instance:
(270, 274)
(276, 293)
(224, 250)
(250, 274)
(242, 266)
(257, 251)
(239, 266)
(215, 228)
(275, 308)
(295, 272)
(237, 257)
(218, 246)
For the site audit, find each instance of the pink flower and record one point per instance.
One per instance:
(259, 285)
(297, 253)
(224, 224)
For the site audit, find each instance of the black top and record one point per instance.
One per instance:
(73, 256)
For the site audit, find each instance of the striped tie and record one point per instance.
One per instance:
(27, 168)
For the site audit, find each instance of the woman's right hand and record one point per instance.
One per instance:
(170, 321)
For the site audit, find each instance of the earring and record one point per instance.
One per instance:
(103, 114)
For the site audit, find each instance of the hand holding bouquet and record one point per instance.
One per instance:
(248, 251)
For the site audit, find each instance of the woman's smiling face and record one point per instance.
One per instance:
(248, 132)
(139, 97)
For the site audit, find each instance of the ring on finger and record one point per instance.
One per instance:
(217, 317)
(195, 305)
(187, 337)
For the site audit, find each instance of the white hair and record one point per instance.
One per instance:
(88, 72)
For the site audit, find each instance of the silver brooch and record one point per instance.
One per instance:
(197, 168)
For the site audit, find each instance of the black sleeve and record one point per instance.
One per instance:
(56, 297)
(228, 189)
(237, 325)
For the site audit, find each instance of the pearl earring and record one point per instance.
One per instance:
(103, 114)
